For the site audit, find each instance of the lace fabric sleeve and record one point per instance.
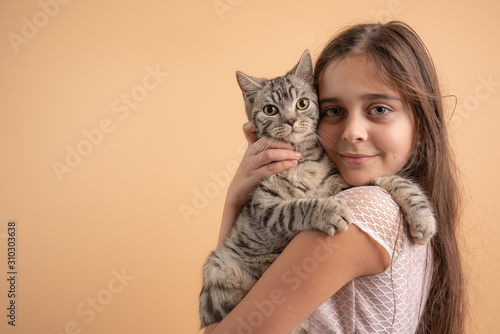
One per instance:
(376, 213)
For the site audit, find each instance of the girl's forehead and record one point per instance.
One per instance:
(353, 74)
(356, 65)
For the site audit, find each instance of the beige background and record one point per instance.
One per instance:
(144, 197)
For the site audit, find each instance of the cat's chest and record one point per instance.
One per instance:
(308, 176)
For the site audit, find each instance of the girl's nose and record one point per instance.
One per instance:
(354, 129)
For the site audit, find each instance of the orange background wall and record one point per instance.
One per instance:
(120, 126)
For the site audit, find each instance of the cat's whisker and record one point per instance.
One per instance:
(325, 143)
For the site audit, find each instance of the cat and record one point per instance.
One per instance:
(298, 199)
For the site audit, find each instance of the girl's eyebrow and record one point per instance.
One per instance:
(378, 96)
(329, 99)
(365, 96)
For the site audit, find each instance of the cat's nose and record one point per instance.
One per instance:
(291, 121)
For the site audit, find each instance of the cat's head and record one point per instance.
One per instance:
(285, 107)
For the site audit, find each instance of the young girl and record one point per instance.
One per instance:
(381, 114)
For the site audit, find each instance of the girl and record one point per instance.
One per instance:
(382, 114)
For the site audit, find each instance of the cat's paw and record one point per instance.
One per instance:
(415, 205)
(335, 216)
(422, 227)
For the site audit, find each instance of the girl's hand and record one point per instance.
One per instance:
(263, 158)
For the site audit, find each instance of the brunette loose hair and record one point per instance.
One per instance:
(404, 64)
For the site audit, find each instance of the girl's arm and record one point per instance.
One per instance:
(312, 268)
(262, 158)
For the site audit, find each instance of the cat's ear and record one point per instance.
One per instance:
(304, 68)
(249, 84)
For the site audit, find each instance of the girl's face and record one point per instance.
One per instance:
(365, 128)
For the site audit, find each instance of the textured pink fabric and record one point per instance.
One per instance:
(389, 302)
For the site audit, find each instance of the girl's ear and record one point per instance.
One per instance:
(249, 84)
(303, 69)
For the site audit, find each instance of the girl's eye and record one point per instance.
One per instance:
(302, 104)
(333, 112)
(379, 111)
(270, 110)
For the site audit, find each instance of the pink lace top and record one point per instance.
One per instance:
(389, 302)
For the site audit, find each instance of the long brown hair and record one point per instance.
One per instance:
(405, 65)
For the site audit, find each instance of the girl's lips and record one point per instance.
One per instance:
(356, 159)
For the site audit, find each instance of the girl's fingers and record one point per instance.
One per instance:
(263, 143)
(270, 156)
(267, 156)
(266, 143)
(275, 167)
(263, 158)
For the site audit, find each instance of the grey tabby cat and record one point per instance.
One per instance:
(294, 200)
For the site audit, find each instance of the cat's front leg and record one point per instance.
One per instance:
(414, 204)
(328, 215)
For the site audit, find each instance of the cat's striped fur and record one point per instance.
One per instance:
(292, 201)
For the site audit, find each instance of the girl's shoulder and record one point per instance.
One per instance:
(377, 214)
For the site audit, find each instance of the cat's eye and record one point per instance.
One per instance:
(302, 104)
(270, 110)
